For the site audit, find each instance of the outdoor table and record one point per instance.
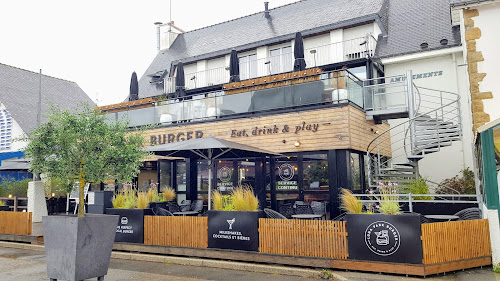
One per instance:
(306, 216)
(185, 213)
(442, 217)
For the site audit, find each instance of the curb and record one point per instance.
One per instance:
(242, 266)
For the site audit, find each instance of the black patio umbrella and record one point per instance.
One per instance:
(134, 88)
(209, 148)
(298, 52)
(179, 80)
(234, 67)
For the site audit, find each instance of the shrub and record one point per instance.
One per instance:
(2, 203)
(13, 187)
(463, 185)
(418, 186)
(350, 203)
(168, 194)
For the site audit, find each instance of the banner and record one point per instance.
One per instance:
(235, 230)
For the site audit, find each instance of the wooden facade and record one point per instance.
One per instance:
(341, 127)
(176, 231)
(18, 223)
(313, 238)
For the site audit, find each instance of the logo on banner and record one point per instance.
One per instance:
(230, 222)
(124, 220)
(382, 238)
(286, 172)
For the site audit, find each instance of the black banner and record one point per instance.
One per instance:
(387, 238)
(130, 227)
(234, 230)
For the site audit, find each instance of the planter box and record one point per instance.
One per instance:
(78, 248)
(235, 230)
(386, 238)
(130, 227)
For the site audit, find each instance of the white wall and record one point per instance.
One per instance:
(488, 21)
(450, 160)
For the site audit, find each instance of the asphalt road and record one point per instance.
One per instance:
(29, 265)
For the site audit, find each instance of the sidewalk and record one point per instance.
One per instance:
(29, 264)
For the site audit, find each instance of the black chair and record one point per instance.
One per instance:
(303, 209)
(173, 207)
(319, 208)
(197, 206)
(272, 214)
(423, 219)
(159, 211)
(185, 205)
(469, 214)
(286, 210)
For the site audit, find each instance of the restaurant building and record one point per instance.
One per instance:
(354, 95)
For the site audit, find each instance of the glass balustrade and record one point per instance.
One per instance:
(332, 87)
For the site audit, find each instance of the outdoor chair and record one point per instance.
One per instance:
(303, 209)
(197, 206)
(319, 208)
(286, 210)
(159, 211)
(297, 203)
(423, 219)
(173, 207)
(185, 205)
(340, 217)
(469, 214)
(272, 214)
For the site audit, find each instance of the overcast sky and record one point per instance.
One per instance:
(99, 43)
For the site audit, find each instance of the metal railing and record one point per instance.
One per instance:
(434, 123)
(331, 87)
(321, 55)
(410, 198)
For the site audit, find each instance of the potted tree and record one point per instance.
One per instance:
(85, 147)
(234, 221)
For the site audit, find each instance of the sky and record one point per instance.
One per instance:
(99, 43)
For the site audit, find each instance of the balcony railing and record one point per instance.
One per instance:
(330, 87)
(323, 55)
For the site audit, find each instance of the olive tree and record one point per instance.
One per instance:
(82, 145)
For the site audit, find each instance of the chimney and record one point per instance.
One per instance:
(166, 34)
(158, 39)
(266, 10)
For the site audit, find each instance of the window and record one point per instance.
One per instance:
(316, 172)
(225, 171)
(248, 67)
(281, 60)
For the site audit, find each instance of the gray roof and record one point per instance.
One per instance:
(307, 16)
(19, 93)
(455, 3)
(414, 22)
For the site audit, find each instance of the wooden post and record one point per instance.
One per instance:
(15, 203)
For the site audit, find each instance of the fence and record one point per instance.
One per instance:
(453, 241)
(176, 231)
(15, 223)
(313, 238)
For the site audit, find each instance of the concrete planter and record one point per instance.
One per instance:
(78, 248)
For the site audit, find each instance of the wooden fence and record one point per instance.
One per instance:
(315, 238)
(457, 240)
(176, 231)
(15, 223)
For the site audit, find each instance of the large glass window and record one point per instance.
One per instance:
(281, 60)
(315, 172)
(248, 67)
(225, 174)
(246, 173)
(202, 176)
(165, 174)
(355, 173)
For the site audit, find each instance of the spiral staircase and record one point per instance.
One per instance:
(424, 122)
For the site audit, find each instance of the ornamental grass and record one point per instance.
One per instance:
(168, 194)
(142, 200)
(350, 203)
